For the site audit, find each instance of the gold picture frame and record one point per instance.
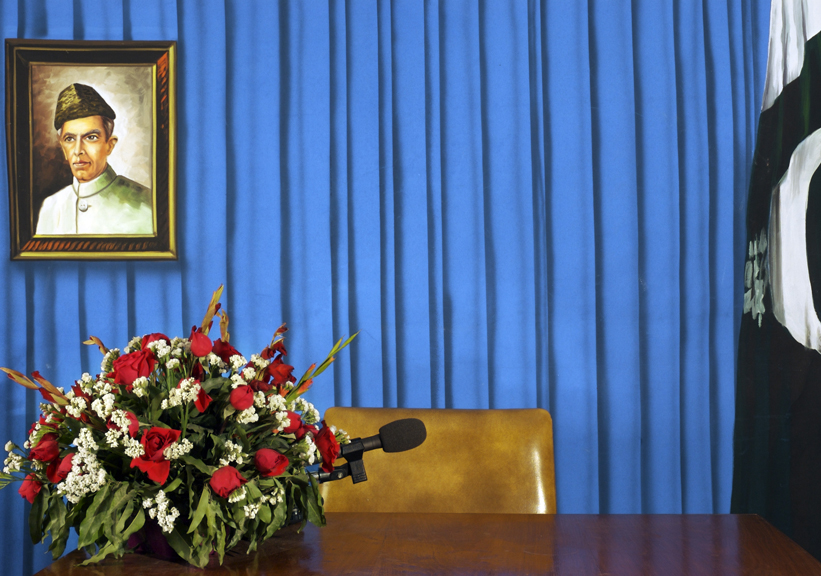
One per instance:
(68, 200)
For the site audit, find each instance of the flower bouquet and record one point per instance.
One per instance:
(180, 435)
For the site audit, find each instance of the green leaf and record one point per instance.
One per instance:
(173, 486)
(60, 528)
(115, 532)
(199, 514)
(237, 536)
(136, 524)
(213, 384)
(253, 491)
(202, 546)
(56, 525)
(104, 551)
(240, 431)
(315, 512)
(90, 526)
(264, 514)
(198, 464)
(228, 411)
(211, 516)
(36, 516)
(280, 516)
(181, 545)
(221, 542)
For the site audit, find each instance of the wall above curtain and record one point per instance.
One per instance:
(516, 203)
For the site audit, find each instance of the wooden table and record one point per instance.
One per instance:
(500, 544)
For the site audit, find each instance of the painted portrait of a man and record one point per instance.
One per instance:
(91, 141)
(92, 151)
(98, 200)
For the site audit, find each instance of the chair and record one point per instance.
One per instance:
(491, 461)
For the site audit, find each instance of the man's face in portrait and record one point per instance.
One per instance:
(86, 147)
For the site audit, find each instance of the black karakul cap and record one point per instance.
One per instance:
(80, 101)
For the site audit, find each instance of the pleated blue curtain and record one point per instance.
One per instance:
(516, 203)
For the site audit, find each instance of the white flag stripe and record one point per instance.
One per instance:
(791, 289)
(792, 23)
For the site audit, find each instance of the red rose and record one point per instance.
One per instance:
(226, 480)
(153, 462)
(328, 447)
(149, 338)
(134, 365)
(30, 488)
(294, 423)
(46, 450)
(203, 400)
(224, 350)
(304, 429)
(59, 469)
(133, 424)
(200, 343)
(270, 462)
(242, 397)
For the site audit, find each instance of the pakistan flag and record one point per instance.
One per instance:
(777, 442)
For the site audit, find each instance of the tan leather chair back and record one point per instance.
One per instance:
(491, 461)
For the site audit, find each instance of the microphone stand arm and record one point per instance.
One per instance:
(355, 467)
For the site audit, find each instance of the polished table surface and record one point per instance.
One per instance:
(358, 543)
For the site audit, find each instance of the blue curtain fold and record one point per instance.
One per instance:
(517, 204)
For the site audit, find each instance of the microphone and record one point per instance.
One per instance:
(396, 436)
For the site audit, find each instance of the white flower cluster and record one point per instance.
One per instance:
(86, 383)
(104, 406)
(342, 436)
(276, 403)
(180, 346)
(76, 405)
(232, 453)
(282, 419)
(120, 436)
(237, 380)
(132, 344)
(160, 348)
(86, 475)
(274, 497)
(140, 386)
(187, 391)
(178, 449)
(102, 387)
(159, 510)
(251, 510)
(260, 362)
(172, 363)
(216, 362)
(237, 361)
(248, 374)
(237, 495)
(13, 462)
(310, 415)
(108, 360)
(306, 449)
(248, 416)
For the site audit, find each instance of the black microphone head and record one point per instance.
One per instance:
(401, 435)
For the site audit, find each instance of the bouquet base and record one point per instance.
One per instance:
(151, 541)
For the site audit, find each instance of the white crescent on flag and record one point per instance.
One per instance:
(789, 277)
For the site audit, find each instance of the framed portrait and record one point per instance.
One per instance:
(91, 140)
